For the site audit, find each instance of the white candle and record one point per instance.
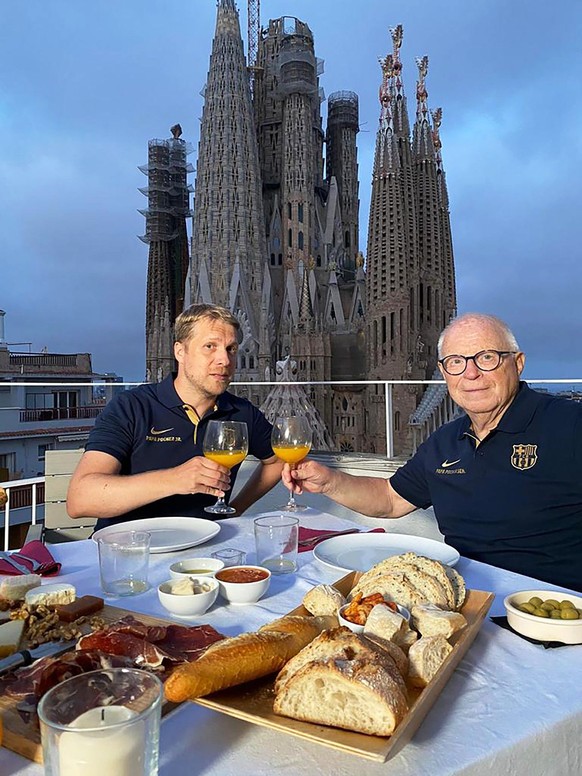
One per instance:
(103, 750)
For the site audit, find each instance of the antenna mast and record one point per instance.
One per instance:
(254, 32)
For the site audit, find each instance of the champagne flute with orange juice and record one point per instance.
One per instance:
(226, 442)
(291, 442)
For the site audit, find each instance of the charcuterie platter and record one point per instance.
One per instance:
(22, 735)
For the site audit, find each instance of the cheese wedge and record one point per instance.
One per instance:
(49, 595)
(10, 636)
(15, 588)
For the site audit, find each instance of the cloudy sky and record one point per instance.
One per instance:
(84, 84)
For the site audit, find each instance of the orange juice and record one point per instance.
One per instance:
(291, 453)
(228, 458)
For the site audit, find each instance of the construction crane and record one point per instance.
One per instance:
(254, 33)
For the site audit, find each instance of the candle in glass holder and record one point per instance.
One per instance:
(103, 746)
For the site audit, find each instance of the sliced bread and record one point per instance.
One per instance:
(459, 586)
(393, 587)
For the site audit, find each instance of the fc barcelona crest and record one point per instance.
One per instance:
(524, 456)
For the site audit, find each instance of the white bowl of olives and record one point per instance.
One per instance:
(546, 615)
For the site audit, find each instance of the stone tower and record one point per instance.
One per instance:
(168, 196)
(228, 263)
(410, 277)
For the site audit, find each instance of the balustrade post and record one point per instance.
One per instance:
(389, 420)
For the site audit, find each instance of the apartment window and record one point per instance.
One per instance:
(42, 450)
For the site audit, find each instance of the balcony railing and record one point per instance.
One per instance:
(26, 496)
(60, 413)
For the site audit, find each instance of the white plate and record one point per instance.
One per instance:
(169, 534)
(361, 551)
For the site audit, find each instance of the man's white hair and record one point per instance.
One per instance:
(491, 320)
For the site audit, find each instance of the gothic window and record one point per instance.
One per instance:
(347, 240)
(300, 212)
(318, 260)
(280, 259)
(300, 241)
(344, 404)
(290, 238)
(397, 420)
(272, 259)
(289, 210)
(251, 362)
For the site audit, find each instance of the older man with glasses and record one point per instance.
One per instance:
(505, 479)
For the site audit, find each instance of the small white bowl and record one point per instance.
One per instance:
(195, 567)
(541, 628)
(243, 592)
(188, 605)
(353, 626)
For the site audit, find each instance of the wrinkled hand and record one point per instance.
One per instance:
(201, 475)
(308, 475)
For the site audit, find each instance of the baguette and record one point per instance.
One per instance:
(244, 658)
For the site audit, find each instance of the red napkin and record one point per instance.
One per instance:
(310, 533)
(37, 550)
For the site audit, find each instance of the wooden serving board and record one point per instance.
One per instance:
(253, 702)
(24, 738)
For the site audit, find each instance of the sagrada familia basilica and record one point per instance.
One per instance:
(275, 235)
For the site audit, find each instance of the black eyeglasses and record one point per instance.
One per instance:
(485, 360)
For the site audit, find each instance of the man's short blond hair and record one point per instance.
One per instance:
(185, 322)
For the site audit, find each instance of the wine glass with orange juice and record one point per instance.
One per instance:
(291, 442)
(226, 442)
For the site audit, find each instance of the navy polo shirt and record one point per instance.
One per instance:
(515, 501)
(147, 428)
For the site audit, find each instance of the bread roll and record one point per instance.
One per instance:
(357, 694)
(429, 620)
(244, 658)
(323, 599)
(425, 658)
(384, 623)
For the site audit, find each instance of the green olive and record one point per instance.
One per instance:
(535, 601)
(569, 614)
(556, 614)
(567, 605)
(527, 607)
(541, 612)
(548, 606)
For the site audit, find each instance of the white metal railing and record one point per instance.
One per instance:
(33, 482)
(388, 386)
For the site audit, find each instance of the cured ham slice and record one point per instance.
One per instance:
(151, 645)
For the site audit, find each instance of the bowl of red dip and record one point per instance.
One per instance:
(243, 584)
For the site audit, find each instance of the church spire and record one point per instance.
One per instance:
(228, 230)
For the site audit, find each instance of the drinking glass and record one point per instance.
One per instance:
(291, 441)
(226, 442)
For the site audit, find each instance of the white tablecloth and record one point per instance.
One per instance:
(511, 707)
